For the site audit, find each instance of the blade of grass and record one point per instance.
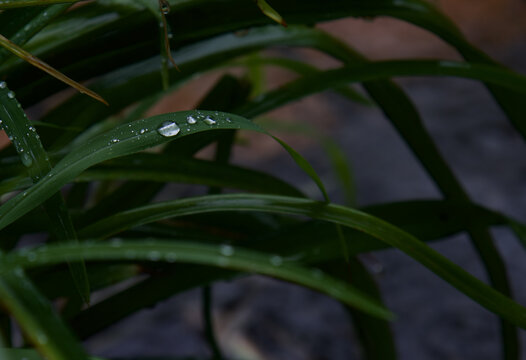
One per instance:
(315, 242)
(39, 18)
(189, 252)
(125, 140)
(21, 53)
(381, 70)
(270, 12)
(10, 4)
(34, 157)
(453, 274)
(37, 318)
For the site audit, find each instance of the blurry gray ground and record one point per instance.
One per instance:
(266, 319)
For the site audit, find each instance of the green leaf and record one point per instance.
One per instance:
(125, 140)
(34, 157)
(382, 70)
(9, 4)
(205, 254)
(270, 12)
(453, 274)
(37, 318)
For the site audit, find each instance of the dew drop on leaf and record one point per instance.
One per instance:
(11, 95)
(209, 121)
(276, 260)
(26, 160)
(226, 250)
(3, 84)
(169, 129)
(191, 120)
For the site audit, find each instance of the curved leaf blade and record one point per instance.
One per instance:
(450, 272)
(205, 254)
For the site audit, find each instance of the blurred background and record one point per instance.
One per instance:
(260, 318)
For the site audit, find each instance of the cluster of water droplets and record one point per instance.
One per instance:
(171, 128)
(25, 157)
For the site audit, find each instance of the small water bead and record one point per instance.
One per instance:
(276, 260)
(116, 243)
(142, 131)
(26, 160)
(209, 121)
(115, 141)
(165, 7)
(169, 129)
(11, 95)
(3, 85)
(191, 120)
(226, 250)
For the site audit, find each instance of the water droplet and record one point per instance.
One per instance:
(168, 129)
(154, 255)
(26, 160)
(209, 121)
(276, 260)
(142, 131)
(191, 120)
(228, 120)
(3, 85)
(165, 6)
(114, 141)
(170, 36)
(226, 250)
(11, 95)
(116, 243)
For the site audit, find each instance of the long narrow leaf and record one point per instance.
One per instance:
(34, 157)
(221, 256)
(455, 275)
(37, 318)
(125, 140)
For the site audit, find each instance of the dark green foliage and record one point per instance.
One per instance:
(87, 175)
